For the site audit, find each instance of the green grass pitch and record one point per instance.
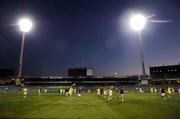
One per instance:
(88, 106)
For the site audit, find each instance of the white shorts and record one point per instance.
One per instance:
(122, 95)
(67, 93)
(162, 94)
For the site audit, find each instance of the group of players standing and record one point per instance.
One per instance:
(168, 92)
(68, 92)
(164, 93)
(108, 93)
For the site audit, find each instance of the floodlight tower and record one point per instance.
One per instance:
(25, 26)
(137, 23)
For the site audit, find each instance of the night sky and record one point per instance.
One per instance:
(91, 33)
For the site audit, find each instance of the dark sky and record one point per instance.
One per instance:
(91, 33)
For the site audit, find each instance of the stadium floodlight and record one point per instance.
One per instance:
(25, 26)
(115, 74)
(137, 23)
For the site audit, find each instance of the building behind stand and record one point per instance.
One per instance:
(165, 74)
(80, 72)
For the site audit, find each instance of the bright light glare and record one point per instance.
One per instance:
(25, 25)
(137, 22)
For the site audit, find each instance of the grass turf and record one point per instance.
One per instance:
(88, 106)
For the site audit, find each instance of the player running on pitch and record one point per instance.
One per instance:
(163, 94)
(169, 92)
(155, 90)
(70, 91)
(151, 90)
(66, 92)
(25, 91)
(39, 91)
(173, 90)
(98, 92)
(45, 90)
(105, 92)
(79, 91)
(110, 94)
(140, 90)
(121, 95)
